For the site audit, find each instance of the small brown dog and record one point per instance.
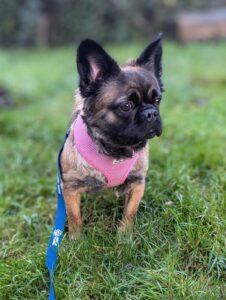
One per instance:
(119, 106)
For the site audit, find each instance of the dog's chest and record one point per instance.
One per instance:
(77, 173)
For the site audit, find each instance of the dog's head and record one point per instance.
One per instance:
(121, 104)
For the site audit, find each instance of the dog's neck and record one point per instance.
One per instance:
(118, 152)
(107, 148)
(110, 149)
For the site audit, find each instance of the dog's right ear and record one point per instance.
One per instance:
(94, 63)
(151, 58)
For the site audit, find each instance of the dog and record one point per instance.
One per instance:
(118, 112)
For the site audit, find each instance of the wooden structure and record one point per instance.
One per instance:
(202, 25)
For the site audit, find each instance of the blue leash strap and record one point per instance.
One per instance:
(58, 229)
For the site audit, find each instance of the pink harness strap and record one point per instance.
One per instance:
(115, 171)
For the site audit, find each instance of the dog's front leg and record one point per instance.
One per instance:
(132, 201)
(72, 201)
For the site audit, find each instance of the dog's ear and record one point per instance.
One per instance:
(94, 63)
(151, 58)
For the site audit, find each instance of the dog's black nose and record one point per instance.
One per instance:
(151, 114)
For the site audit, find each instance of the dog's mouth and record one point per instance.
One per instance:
(150, 135)
(153, 132)
(132, 140)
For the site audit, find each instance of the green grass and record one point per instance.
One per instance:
(177, 248)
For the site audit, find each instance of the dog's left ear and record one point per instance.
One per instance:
(94, 64)
(151, 58)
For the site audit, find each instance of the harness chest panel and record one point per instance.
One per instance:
(115, 171)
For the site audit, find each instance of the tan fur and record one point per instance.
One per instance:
(72, 200)
(132, 201)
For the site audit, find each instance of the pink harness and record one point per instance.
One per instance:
(115, 171)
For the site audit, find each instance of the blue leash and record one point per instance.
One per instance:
(58, 229)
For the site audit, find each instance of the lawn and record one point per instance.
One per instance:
(177, 247)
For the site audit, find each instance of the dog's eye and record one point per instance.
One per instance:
(157, 100)
(155, 96)
(127, 106)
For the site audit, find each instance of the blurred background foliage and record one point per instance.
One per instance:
(58, 22)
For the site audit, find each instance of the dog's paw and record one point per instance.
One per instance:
(125, 226)
(75, 234)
